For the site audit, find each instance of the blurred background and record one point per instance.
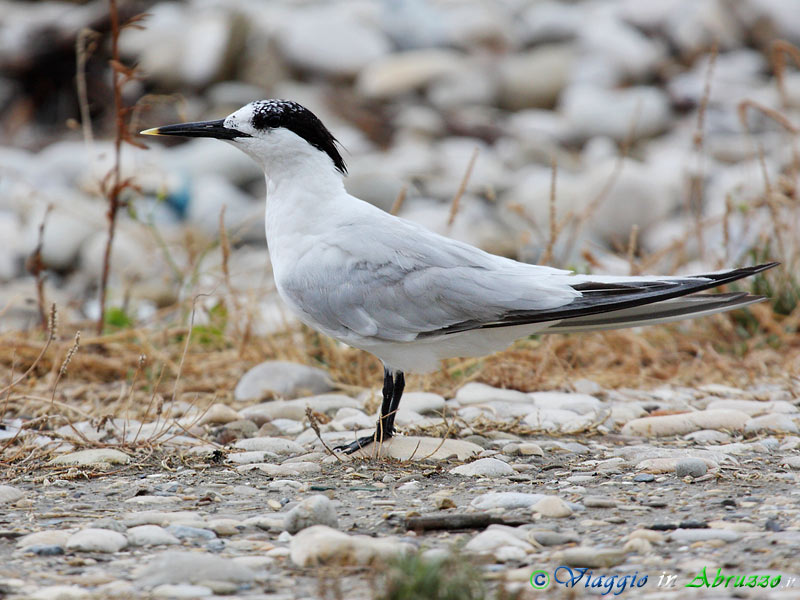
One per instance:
(611, 136)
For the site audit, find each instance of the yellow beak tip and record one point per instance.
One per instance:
(153, 131)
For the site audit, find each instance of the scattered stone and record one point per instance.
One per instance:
(593, 558)
(316, 510)
(281, 379)
(505, 500)
(644, 478)
(691, 467)
(96, 456)
(484, 467)
(552, 506)
(60, 592)
(150, 535)
(9, 494)
(731, 420)
(49, 537)
(270, 444)
(219, 414)
(96, 540)
(192, 567)
(296, 409)
(599, 502)
(181, 590)
(321, 545)
(772, 423)
(689, 536)
(553, 538)
(284, 470)
(422, 448)
(185, 532)
(498, 540)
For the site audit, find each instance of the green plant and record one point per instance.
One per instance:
(415, 577)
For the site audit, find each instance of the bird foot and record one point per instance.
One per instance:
(357, 445)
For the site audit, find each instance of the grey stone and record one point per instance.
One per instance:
(691, 467)
(192, 567)
(484, 467)
(96, 540)
(316, 510)
(280, 378)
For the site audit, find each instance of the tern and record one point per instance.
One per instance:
(405, 294)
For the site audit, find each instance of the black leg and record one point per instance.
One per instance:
(399, 386)
(385, 427)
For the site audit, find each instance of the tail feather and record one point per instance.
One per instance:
(609, 302)
(666, 311)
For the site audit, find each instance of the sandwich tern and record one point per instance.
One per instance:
(405, 294)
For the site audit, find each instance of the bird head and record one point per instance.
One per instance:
(273, 132)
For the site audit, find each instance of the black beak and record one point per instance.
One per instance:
(210, 129)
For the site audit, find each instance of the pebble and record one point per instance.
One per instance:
(591, 557)
(219, 414)
(284, 470)
(689, 536)
(282, 379)
(534, 78)
(681, 424)
(192, 567)
(150, 535)
(691, 467)
(49, 537)
(96, 540)
(644, 478)
(274, 445)
(599, 502)
(316, 510)
(497, 539)
(322, 545)
(772, 423)
(423, 448)
(552, 506)
(10, 494)
(484, 467)
(97, 456)
(505, 500)
(296, 409)
(185, 532)
(405, 72)
(553, 538)
(181, 590)
(60, 592)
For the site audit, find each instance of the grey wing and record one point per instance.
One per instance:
(403, 281)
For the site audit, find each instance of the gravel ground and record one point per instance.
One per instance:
(658, 483)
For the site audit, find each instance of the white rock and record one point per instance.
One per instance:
(592, 557)
(321, 545)
(60, 592)
(702, 535)
(405, 72)
(330, 40)
(593, 111)
(275, 445)
(484, 467)
(505, 500)
(754, 408)
(244, 215)
(192, 567)
(246, 458)
(150, 535)
(551, 21)
(552, 419)
(670, 465)
(476, 393)
(157, 517)
(285, 379)
(48, 537)
(347, 419)
(285, 470)
(96, 540)
(469, 86)
(684, 423)
(421, 448)
(495, 539)
(316, 510)
(181, 590)
(9, 493)
(706, 436)
(578, 403)
(296, 409)
(219, 413)
(772, 423)
(96, 456)
(552, 506)
(424, 402)
(534, 78)
(691, 467)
